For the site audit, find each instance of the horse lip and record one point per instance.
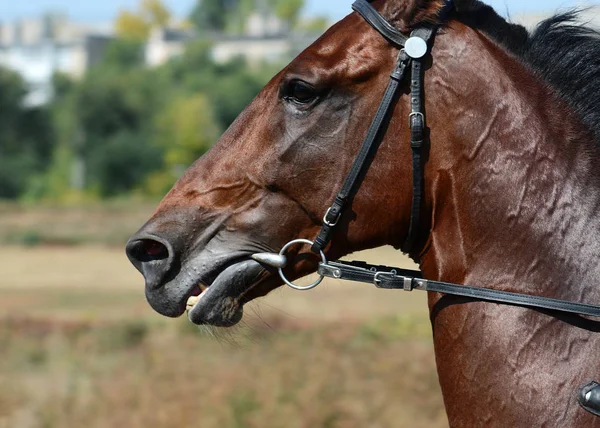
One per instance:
(170, 299)
(220, 304)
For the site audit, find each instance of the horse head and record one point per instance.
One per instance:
(272, 175)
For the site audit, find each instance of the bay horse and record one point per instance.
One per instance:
(511, 198)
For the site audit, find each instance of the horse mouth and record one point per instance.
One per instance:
(216, 298)
(222, 303)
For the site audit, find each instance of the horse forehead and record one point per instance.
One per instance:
(350, 48)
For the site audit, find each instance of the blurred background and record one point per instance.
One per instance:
(103, 105)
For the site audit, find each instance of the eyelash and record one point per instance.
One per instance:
(290, 93)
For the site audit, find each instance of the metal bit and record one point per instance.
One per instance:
(271, 259)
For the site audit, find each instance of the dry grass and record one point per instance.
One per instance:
(82, 348)
(105, 224)
(132, 374)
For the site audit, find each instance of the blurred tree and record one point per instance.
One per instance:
(124, 127)
(185, 129)
(137, 25)
(196, 60)
(288, 11)
(238, 17)
(231, 93)
(62, 85)
(124, 54)
(130, 25)
(12, 93)
(212, 15)
(113, 103)
(155, 13)
(119, 164)
(314, 25)
(26, 138)
(112, 106)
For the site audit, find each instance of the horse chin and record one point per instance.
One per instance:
(221, 304)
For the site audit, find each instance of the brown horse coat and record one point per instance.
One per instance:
(512, 202)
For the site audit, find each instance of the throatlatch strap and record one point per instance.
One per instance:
(351, 183)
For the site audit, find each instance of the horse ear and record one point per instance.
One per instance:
(405, 15)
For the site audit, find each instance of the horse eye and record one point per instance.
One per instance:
(301, 92)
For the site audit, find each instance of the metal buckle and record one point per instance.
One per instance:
(288, 282)
(327, 222)
(413, 114)
(377, 280)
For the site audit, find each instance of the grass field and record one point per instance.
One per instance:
(82, 348)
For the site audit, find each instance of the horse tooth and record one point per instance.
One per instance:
(192, 301)
(202, 287)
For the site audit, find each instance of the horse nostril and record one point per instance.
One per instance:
(153, 249)
(153, 258)
(147, 250)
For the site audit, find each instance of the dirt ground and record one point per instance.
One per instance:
(81, 347)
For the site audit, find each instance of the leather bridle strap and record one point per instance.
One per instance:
(373, 136)
(378, 22)
(408, 280)
(416, 123)
(418, 126)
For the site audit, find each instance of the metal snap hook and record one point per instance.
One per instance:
(282, 275)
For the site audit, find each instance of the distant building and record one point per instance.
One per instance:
(261, 24)
(261, 49)
(265, 38)
(38, 48)
(164, 44)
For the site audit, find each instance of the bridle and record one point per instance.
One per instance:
(413, 50)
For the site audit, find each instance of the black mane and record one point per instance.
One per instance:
(562, 50)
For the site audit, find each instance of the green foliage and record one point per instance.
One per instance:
(124, 54)
(212, 15)
(288, 10)
(62, 85)
(315, 25)
(25, 137)
(231, 93)
(186, 129)
(230, 15)
(136, 25)
(122, 128)
(119, 163)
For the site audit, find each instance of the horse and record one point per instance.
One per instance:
(510, 201)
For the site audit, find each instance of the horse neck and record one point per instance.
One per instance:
(514, 193)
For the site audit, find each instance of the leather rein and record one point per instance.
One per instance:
(413, 50)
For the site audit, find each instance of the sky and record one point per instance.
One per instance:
(99, 11)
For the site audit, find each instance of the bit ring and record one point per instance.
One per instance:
(290, 283)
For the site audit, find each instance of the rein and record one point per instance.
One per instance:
(412, 51)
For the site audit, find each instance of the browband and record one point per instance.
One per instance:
(378, 22)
